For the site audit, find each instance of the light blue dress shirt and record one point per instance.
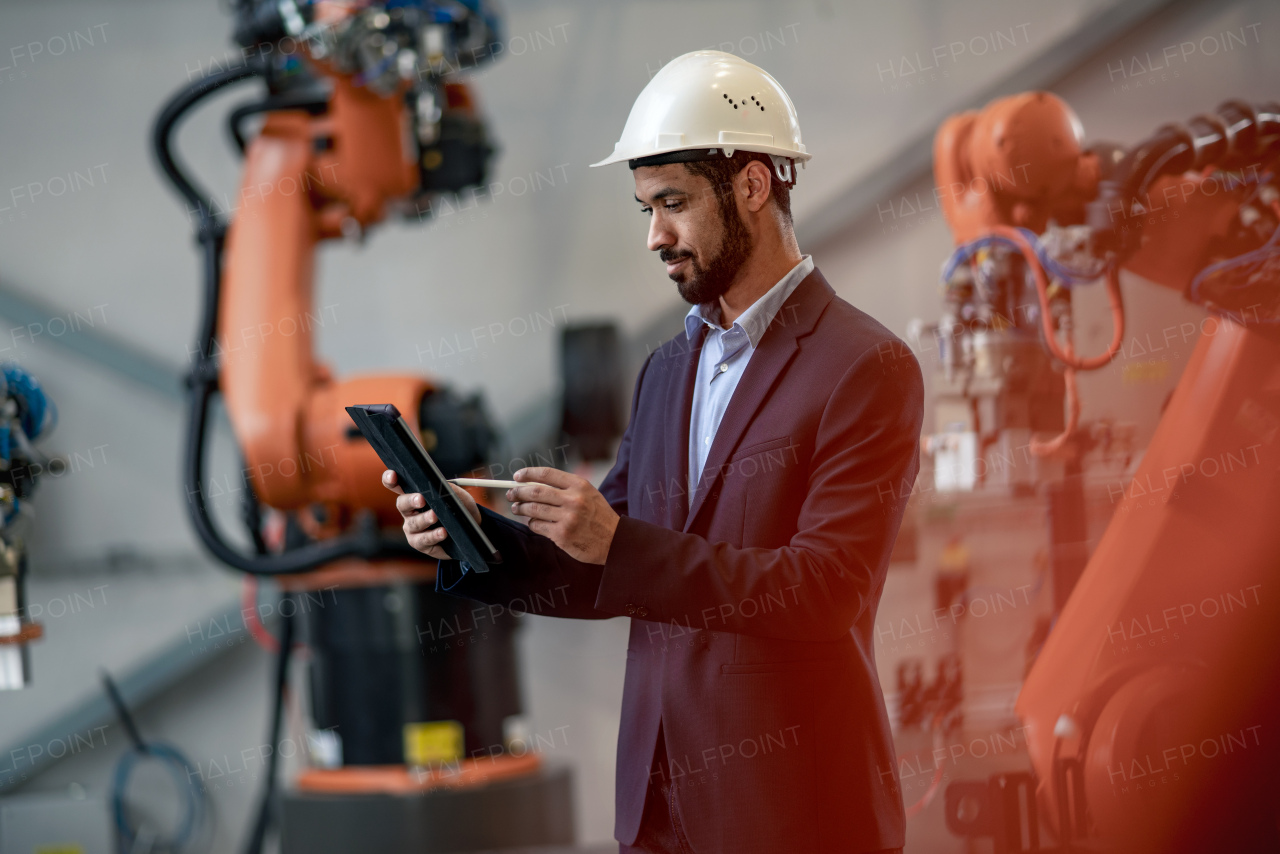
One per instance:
(724, 357)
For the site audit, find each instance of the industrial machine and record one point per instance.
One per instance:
(1151, 710)
(26, 415)
(363, 117)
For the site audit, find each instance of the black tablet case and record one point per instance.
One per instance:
(399, 449)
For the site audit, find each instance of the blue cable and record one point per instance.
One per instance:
(1067, 275)
(36, 416)
(38, 413)
(1261, 254)
(178, 766)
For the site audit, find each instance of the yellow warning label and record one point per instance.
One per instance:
(432, 743)
(1150, 371)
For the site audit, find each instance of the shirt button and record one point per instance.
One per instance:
(706, 441)
(724, 366)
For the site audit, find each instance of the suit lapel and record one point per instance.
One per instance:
(777, 348)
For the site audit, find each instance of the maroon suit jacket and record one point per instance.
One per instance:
(752, 597)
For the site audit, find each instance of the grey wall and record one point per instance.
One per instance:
(122, 248)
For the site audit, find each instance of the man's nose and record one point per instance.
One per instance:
(659, 235)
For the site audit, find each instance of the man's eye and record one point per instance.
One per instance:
(671, 206)
(647, 210)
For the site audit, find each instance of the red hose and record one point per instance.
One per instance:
(249, 611)
(1065, 352)
(1052, 446)
(930, 793)
(1066, 355)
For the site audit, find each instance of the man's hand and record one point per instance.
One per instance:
(416, 522)
(566, 509)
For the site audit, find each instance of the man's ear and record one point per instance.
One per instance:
(758, 185)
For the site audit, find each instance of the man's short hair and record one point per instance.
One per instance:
(720, 171)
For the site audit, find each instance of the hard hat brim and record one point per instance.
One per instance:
(616, 157)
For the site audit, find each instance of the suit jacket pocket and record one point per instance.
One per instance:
(778, 667)
(760, 447)
(769, 477)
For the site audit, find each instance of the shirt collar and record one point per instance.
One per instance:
(756, 319)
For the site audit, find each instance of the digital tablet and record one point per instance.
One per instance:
(401, 451)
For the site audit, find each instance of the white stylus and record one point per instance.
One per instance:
(479, 481)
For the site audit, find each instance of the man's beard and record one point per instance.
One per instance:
(708, 284)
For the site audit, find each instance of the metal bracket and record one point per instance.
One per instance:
(784, 168)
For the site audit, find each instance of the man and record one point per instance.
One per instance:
(747, 524)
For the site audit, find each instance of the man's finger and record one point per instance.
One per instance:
(546, 529)
(410, 504)
(547, 475)
(538, 492)
(533, 510)
(420, 522)
(425, 540)
(391, 482)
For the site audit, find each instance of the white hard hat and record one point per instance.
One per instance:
(709, 104)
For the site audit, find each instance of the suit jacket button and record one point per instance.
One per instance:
(642, 611)
(630, 609)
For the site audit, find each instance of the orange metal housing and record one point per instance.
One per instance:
(1185, 214)
(400, 780)
(1016, 162)
(1161, 677)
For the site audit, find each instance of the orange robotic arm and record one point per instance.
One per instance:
(1146, 706)
(359, 126)
(347, 137)
(306, 179)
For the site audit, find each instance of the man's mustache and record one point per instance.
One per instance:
(669, 255)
